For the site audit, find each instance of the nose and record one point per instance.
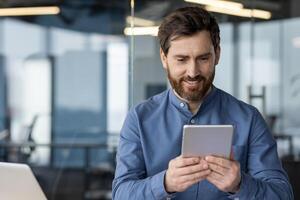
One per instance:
(193, 70)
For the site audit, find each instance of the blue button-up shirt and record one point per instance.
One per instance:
(152, 136)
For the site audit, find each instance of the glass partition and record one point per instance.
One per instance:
(64, 94)
(2, 95)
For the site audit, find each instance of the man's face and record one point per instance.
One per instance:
(190, 65)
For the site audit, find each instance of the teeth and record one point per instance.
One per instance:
(192, 82)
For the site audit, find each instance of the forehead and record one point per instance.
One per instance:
(197, 43)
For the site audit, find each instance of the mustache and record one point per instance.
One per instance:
(196, 78)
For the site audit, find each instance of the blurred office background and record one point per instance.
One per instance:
(70, 72)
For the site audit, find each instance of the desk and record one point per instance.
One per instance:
(85, 174)
(85, 146)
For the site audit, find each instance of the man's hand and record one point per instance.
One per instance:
(225, 174)
(184, 172)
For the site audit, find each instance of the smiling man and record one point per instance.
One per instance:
(193, 60)
(149, 161)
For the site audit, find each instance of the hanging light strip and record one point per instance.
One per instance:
(251, 13)
(27, 11)
(150, 30)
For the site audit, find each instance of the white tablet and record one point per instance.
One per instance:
(203, 140)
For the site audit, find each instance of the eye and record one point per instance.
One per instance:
(203, 59)
(181, 59)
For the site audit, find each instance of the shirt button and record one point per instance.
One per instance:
(193, 121)
(181, 105)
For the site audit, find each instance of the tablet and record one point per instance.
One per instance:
(203, 140)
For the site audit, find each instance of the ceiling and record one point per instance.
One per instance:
(108, 17)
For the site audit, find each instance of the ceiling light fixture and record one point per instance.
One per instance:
(139, 21)
(150, 30)
(218, 3)
(261, 14)
(232, 8)
(27, 11)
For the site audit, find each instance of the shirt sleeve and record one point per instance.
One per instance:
(131, 181)
(265, 177)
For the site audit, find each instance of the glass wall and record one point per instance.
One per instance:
(2, 95)
(63, 98)
(64, 74)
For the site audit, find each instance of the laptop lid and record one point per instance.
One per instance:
(17, 182)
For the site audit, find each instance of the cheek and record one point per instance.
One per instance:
(178, 73)
(207, 69)
(176, 70)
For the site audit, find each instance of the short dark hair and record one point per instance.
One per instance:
(187, 21)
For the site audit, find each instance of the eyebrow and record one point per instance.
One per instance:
(180, 56)
(205, 55)
(185, 56)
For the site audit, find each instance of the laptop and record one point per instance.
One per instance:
(17, 182)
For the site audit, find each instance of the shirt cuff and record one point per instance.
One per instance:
(158, 186)
(247, 188)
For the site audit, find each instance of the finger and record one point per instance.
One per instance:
(216, 176)
(196, 176)
(214, 181)
(183, 162)
(224, 162)
(192, 169)
(192, 182)
(218, 169)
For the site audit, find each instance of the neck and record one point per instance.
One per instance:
(193, 105)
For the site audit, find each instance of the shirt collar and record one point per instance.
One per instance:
(181, 104)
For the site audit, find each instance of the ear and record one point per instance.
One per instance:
(163, 58)
(218, 54)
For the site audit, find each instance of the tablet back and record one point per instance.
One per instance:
(203, 140)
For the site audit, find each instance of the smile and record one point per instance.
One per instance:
(192, 82)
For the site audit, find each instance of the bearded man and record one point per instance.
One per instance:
(149, 161)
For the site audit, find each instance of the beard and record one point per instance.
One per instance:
(195, 93)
